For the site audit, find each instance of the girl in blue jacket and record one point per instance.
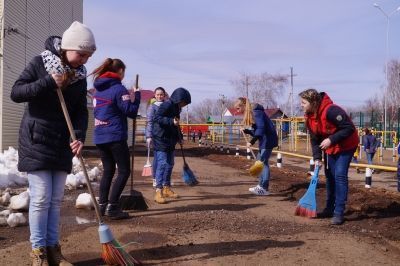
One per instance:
(112, 105)
(166, 134)
(263, 131)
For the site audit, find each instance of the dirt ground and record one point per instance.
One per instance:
(219, 223)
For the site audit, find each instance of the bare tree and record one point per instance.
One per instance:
(393, 90)
(262, 88)
(209, 107)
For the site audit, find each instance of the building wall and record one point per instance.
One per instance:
(1, 65)
(27, 24)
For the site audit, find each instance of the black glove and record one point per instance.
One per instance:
(247, 131)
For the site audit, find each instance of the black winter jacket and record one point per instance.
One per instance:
(43, 135)
(165, 133)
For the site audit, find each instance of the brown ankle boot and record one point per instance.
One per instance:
(159, 197)
(55, 256)
(39, 257)
(168, 193)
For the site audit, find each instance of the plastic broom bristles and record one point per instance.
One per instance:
(147, 170)
(305, 212)
(188, 177)
(256, 168)
(114, 254)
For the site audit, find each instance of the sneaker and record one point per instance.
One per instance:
(39, 257)
(259, 191)
(154, 182)
(159, 198)
(367, 186)
(337, 220)
(168, 193)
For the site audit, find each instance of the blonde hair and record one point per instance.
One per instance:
(313, 97)
(248, 118)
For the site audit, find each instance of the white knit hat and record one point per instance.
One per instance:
(78, 37)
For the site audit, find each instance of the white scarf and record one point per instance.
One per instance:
(52, 64)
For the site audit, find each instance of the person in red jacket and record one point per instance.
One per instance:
(333, 132)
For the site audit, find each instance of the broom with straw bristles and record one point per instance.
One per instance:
(112, 252)
(248, 120)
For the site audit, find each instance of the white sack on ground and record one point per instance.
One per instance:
(5, 198)
(20, 202)
(9, 174)
(5, 213)
(84, 201)
(16, 219)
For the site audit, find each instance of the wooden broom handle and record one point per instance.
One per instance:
(133, 138)
(247, 141)
(73, 137)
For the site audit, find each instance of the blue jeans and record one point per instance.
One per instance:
(154, 166)
(263, 156)
(46, 192)
(337, 185)
(165, 163)
(370, 156)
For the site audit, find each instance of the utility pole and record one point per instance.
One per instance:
(247, 87)
(223, 98)
(291, 94)
(387, 16)
(292, 124)
(187, 122)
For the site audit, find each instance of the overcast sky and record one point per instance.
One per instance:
(334, 46)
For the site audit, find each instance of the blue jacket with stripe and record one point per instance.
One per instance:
(112, 106)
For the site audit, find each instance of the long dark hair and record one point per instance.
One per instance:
(109, 65)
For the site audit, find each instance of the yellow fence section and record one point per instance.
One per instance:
(293, 138)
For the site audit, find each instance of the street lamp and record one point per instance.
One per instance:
(386, 65)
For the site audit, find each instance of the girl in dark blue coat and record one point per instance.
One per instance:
(263, 131)
(370, 144)
(112, 105)
(166, 133)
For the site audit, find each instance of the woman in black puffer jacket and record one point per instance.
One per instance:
(45, 151)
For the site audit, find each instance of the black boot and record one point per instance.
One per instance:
(103, 207)
(114, 212)
(326, 213)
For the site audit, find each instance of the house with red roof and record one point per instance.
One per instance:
(272, 113)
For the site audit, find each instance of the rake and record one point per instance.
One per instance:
(112, 252)
(307, 206)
